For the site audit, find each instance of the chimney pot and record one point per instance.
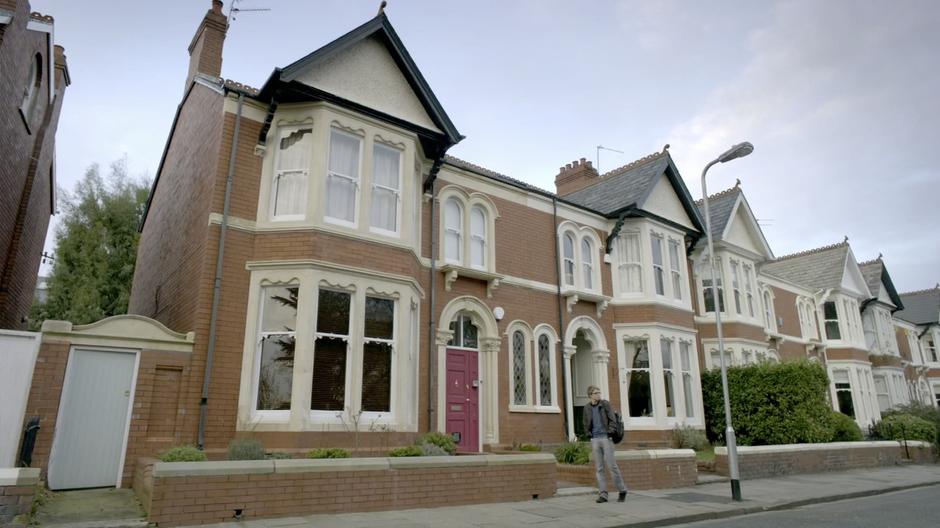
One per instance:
(217, 6)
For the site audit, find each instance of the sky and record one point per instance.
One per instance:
(839, 97)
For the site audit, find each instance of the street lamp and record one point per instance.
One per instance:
(738, 151)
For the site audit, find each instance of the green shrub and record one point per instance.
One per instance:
(432, 450)
(444, 441)
(406, 451)
(530, 447)
(245, 449)
(328, 452)
(277, 455)
(904, 427)
(184, 453)
(771, 403)
(845, 429)
(920, 410)
(688, 437)
(576, 453)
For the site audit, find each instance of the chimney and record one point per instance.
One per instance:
(575, 176)
(205, 51)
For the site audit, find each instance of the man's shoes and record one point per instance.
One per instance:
(622, 496)
(601, 499)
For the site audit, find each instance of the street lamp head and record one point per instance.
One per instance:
(738, 151)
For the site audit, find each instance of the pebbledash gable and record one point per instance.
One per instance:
(350, 283)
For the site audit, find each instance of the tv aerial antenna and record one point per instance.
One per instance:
(235, 10)
(597, 156)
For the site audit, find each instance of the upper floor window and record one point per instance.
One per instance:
(453, 231)
(292, 162)
(386, 188)
(587, 263)
(477, 237)
(736, 286)
(656, 246)
(630, 267)
(831, 318)
(708, 290)
(342, 183)
(31, 90)
(931, 350)
(749, 288)
(468, 229)
(769, 322)
(675, 269)
(578, 248)
(568, 256)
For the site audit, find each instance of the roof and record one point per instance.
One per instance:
(921, 307)
(622, 186)
(483, 171)
(816, 268)
(720, 205)
(875, 274)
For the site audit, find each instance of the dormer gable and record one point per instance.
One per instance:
(853, 281)
(663, 201)
(734, 223)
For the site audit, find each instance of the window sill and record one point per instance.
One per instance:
(534, 409)
(573, 296)
(453, 271)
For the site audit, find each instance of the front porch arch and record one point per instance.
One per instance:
(599, 360)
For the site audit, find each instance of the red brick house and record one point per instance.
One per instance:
(33, 79)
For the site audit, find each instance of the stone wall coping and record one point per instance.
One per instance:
(300, 465)
(789, 448)
(19, 476)
(644, 454)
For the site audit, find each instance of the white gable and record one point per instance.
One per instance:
(883, 295)
(741, 231)
(367, 74)
(663, 201)
(852, 279)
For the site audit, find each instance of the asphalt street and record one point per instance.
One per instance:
(915, 508)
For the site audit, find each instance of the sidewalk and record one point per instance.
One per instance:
(642, 509)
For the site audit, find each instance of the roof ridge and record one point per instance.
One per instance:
(633, 164)
(719, 194)
(235, 85)
(918, 292)
(809, 251)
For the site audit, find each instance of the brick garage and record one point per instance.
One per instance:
(209, 492)
(642, 469)
(771, 461)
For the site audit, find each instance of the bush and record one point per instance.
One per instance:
(576, 453)
(328, 452)
(183, 453)
(898, 426)
(845, 429)
(771, 403)
(530, 447)
(432, 450)
(920, 410)
(406, 451)
(441, 440)
(277, 455)
(688, 437)
(245, 449)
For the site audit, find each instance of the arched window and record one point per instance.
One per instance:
(478, 238)
(587, 263)
(31, 90)
(453, 230)
(568, 255)
(545, 370)
(518, 369)
(768, 312)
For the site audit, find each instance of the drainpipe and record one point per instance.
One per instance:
(217, 284)
(432, 356)
(561, 316)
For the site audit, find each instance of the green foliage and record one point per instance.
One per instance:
(530, 447)
(898, 426)
(245, 449)
(688, 437)
(184, 453)
(771, 404)
(95, 248)
(920, 410)
(444, 441)
(277, 455)
(406, 451)
(432, 450)
(576, 453)
(845, 429)
(328, 452)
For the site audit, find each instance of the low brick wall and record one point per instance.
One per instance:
(769, 461)
(17, 488)
(176, 493)
(641, 469)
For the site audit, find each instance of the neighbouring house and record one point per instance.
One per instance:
(343, 281)
(33, 79)
(919, 322)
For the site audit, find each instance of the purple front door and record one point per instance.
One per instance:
(463, 403)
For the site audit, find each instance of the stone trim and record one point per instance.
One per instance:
(19, 476)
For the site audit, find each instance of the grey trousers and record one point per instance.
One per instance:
(602, 451)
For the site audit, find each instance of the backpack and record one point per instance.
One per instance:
(616, 434)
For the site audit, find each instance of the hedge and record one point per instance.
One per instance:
(904, 427)
(771, 404)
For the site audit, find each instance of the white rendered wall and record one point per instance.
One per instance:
(18, 351)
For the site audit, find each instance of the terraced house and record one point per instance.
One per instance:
(345, 282)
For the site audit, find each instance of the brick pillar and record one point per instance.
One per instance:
(205, 50)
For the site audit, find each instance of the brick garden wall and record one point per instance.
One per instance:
(17, 489)
(770, 461)
(652, 469)
(211, 492)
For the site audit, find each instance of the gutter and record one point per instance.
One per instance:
(217, 283)
(432, 356)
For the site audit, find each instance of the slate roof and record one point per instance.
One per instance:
(816, 269)
(875, 273)
(921, 307)
(624, 186)
(720, 206)
(483, 171)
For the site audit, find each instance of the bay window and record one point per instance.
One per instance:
(630, 267)
(342, 182)
(378, 345)
(708, 293)
(674, 269)
(749, 289)
(736, 286)
(685, 364)
(330, 351)
(831, 318)
(386, 188)
(843, 388)
(639, 390)
(292, 161)
(276, 345)
(669, 381)
(656, 243)
(931, 349)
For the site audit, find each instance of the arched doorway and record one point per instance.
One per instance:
(586, 361)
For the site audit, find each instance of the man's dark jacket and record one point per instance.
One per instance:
(607, 417)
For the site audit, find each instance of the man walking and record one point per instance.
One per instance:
(599, 422)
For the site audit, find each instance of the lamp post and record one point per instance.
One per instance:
(738, 151)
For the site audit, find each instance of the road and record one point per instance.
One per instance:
(915, 508)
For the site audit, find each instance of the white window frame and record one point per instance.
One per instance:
(393, 369)
(271, 414)
(276, 173)
(569, 260)
(355, 180)
(587, 263)
(749, 289)
(520, 328)
(477, 238)
(548, 332)
(770, 315)
(736, 285)
(457, 232)
(636, 264)
(577, 260)
(675, 267)
(467, 204)
(397, 192)
(324, 414)
(827, 320)
(658, 270)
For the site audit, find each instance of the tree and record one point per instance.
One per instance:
(95, 247)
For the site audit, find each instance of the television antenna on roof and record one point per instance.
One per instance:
(597, 156)
(235, 10)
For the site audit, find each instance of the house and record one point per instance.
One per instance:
(33, 79)
(919, 322)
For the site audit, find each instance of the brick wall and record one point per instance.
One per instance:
(785, 307)
(658, 469)
(17, 489)
(770, 461)
(211, 492)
